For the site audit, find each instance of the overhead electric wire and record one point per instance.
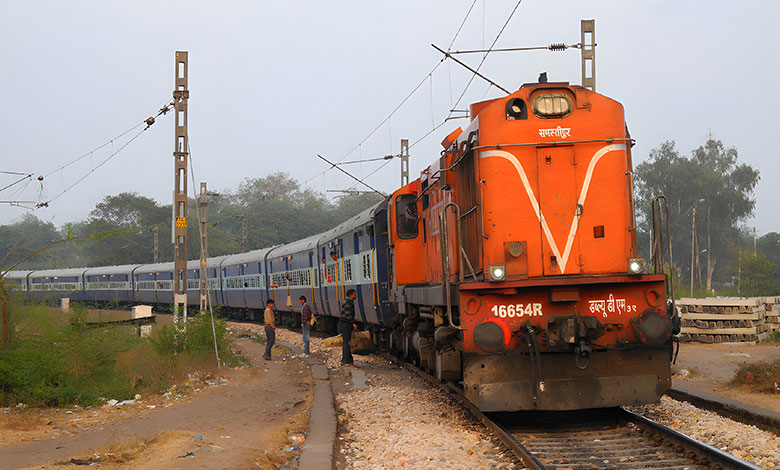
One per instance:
(149, 121)
(26, 176)
(429, 75)
(46, 203)
(350, 175)
(434, 129)
(486, 54)
(449, 116)
(163, 110)
(461, 24)
(552, 47)
(96, 149)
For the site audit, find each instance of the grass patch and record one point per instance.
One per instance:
(53, 360)
(20, 419)
(762, 377)
(773, 338)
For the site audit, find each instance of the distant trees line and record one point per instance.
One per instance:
(120, 229)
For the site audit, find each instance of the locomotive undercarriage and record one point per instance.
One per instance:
(423, 337)
(515, 379)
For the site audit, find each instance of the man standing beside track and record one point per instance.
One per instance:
(270, 327)
(307, 320)
(345, 325)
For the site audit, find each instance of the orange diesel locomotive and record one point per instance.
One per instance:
(514, 261)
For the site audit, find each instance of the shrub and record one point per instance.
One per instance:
(52, 360)
(761, 377)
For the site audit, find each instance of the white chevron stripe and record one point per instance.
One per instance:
(562, 260)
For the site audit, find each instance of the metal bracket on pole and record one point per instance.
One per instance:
(404, 162)
(588, 41)
(180, 153)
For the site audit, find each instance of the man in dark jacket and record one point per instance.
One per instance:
(345, 325)
(306, 323)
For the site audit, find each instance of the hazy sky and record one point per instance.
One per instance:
(272, 84)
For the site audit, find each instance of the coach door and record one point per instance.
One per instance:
(558, 210)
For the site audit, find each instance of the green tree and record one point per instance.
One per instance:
(136, 216)
(755, 275)
(18, 240)
(769, 246)
(711, 184)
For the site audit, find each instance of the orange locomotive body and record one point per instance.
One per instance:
(515, 262)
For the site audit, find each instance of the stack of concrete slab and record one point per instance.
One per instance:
(772, 306)
(727, 319)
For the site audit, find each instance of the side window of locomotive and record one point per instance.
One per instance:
(516, 109)
(406, 216)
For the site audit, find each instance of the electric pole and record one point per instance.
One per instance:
(245, 232)
(156, 244)
(588, 53)
(404, 162)
(179, 230)
(204, 247)
(693, 244)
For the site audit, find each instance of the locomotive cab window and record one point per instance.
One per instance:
(406, 216)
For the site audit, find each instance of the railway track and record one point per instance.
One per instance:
(612, 438)
(600, 439)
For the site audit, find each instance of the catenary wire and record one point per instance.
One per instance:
(46, 203)
(149, 121)
(500, 32)
(402, 101)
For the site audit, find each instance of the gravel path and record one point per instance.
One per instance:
(399, 421)
(746, 442)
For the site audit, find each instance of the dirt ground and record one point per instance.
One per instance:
(244, 419)
(714, 365)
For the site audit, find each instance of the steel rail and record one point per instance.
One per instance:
(711, 452)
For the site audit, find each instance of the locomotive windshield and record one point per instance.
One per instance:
(406, 216)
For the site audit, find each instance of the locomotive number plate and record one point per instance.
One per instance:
(517, 310)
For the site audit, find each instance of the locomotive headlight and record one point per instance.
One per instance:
(552, 106)
(636, 265)
(497, 272)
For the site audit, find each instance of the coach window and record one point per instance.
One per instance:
(406, 216)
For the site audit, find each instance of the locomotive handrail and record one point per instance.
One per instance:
(555, 142)
(445, 264)
(462, 257)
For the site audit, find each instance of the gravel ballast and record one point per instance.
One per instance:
(746, 442)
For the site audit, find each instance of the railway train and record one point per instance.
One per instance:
(510, 266)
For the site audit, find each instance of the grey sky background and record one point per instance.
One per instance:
(272, 84)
